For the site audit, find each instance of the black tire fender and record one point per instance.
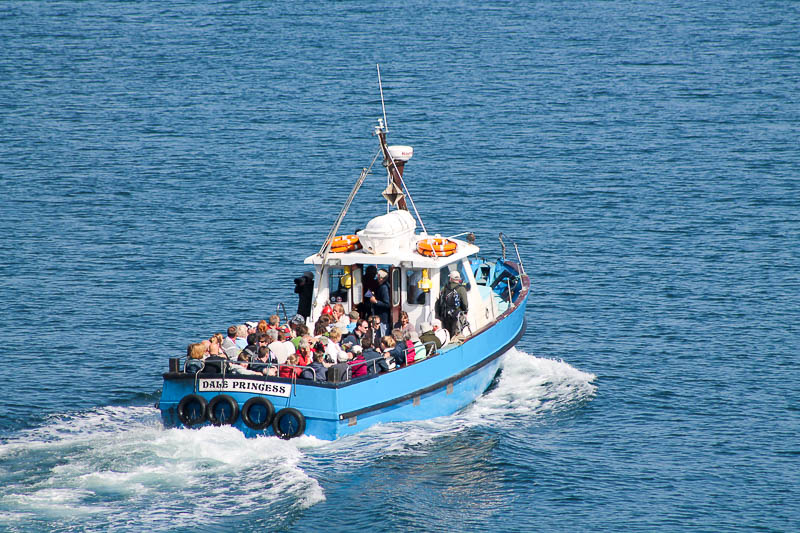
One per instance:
(253, 402)
(289, 423)
(233, 410)
(191, 417)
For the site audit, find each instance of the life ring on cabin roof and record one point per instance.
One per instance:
(436, 247)
(345, 243)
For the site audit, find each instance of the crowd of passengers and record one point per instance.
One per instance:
(342, 346)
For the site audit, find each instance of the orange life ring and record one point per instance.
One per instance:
(436, 247)
(345, 243)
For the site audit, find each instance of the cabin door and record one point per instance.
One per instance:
(396, 287)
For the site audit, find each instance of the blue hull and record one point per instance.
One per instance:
(437, 386)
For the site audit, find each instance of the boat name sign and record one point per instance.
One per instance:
(244, 385)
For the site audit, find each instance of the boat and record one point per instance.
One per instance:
(417, 266)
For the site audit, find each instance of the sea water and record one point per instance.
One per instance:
(164, 169)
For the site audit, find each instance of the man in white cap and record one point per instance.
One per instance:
(452, 302)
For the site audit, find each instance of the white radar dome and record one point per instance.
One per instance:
(401, 153)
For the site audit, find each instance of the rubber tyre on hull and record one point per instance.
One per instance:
(289, 423)
(229, 410)
(192, 410)
(258, 403)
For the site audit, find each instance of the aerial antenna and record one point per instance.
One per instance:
(383, 106)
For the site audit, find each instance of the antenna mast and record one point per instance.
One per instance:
(383, 106)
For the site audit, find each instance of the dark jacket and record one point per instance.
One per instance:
(462, 294)
(379, 366)
(319, 368)
(399, 354)
(383, 305)
(428, 337)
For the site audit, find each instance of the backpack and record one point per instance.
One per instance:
(449, 304)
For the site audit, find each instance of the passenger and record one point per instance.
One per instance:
(287, 371)
(403, 323)
(440, 332)
(287, 343)
(376, 364)
(340, 320)
(277, 347)
(264, 363)
(322, 325)
(241, 336)
(217, 361)
(452, 303)
(205, 344)
(419, 349)
(229, 344)
(353, 318)
(357, 366)
(220, 337)
(411, 352)
(262, 327)
(300, 331)
(333, 350)
(240, 367)
(304, 354)
(195, 353)
(380, 299)
(429, 339)
(319, 372)
(251, 350)
(377, 330)
(370, 281)
(274, 322)
(251, 327)
(392, 352)
(358, 333)
(341, 370)
(213, 340)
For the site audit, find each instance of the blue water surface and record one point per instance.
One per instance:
(165, 167)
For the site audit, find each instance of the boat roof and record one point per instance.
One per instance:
(410, 257)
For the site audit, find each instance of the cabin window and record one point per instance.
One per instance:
(340, 283)
(395, 286)
(414, 295)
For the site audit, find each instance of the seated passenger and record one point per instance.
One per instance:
(357, 366)
(333, 349)
(229, 344)
(376, 364)
(341, 370)
(277, 347)
(322, 326)
(410, 350)
(392, 353)
(240, 367)
(304, 354)
(264, 363)
(319, 372)
(340, 320)
(440, 332)
(241, 336)
(429, 338)
(274, 322)
(419, 349)
(403, 323)
(194, 358)
(217, 360)
(287, 371)
(353, 320)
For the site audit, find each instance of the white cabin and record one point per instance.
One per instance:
(415, 280)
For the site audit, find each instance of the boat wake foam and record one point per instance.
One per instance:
(118, 467)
